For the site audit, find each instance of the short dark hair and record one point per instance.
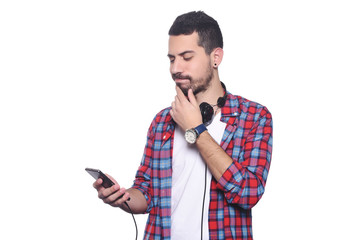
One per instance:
(208, 29)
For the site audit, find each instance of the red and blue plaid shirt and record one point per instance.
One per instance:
(247, 139)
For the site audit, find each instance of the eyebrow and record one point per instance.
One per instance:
(181, 54)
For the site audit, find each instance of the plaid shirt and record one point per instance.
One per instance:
(247, 140)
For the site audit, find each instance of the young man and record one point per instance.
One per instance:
(207, 156)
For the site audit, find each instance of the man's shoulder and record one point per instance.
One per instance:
(160, 122)
(163, 115)
(239, 104)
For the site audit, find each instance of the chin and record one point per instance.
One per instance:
(185, 91)
(184, 88)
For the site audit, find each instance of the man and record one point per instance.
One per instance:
(207, 156)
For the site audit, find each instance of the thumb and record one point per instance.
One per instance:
(192, 98)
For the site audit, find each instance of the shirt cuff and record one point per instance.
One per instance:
(147, 197)
(230, 180)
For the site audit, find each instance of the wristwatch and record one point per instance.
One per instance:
(193, 133)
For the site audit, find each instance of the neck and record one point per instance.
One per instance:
(212, 94)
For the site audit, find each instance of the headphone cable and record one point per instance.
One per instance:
(132, 214)
(203, 204)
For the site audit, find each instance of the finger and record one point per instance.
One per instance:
(121, 200)
(177, 101)
(192, 97)
(102, 194)
(97, 184)
(180, 94)
(115, 196)
(171, 113)
(173, 107)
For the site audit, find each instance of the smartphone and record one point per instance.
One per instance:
(96, 173)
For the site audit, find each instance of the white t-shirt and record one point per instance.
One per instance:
(188, 182)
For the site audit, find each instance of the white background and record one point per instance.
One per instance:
(82, 80)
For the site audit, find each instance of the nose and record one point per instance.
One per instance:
(176, 67)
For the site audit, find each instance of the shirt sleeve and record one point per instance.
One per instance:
(142, 180)
(243, 183)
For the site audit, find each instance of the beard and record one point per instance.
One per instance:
(196, 85)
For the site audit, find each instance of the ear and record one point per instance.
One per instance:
(217, 55)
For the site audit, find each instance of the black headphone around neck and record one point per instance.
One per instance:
(207, 110)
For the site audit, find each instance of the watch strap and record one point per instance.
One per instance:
(199, 129)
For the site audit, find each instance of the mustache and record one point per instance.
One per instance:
(179, 76)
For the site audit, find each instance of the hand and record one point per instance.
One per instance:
(111, 195)
(185, 112)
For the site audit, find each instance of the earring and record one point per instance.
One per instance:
(215, 65)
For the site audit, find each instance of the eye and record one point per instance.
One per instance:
(187, 57)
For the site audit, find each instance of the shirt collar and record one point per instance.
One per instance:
(231, 110)
(229, 113)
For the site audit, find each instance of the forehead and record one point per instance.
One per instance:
(182, 43)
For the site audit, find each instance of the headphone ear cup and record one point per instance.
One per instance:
(221, 101)
(207, 112)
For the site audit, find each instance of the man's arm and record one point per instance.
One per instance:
(214, 156)
(186, 114)
(111, 196)
(243, 181)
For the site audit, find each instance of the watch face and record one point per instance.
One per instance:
(190, 136)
